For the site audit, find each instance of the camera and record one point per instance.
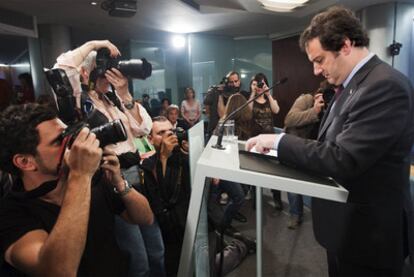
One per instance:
(327, 95)
(109, 133)
(62, 88)
(181, 135)
(260, 84)
(224, 88)
(134, 68)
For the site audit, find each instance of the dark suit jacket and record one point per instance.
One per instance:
(365, 146)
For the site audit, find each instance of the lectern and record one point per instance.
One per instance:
(225, 165)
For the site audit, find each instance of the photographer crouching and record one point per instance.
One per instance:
(58, 218)
(166, 183)
(105, 99)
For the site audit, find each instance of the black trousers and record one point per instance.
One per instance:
(339, 267)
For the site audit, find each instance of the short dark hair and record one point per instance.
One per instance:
(159, 118)
(332, 27)
(18, 132)
(166, 99)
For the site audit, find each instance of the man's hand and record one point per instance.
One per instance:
(184, 147)
(110, 164)
(261, 143)
(169, 142)
(84, 156)
(318, 103)
(119, 81)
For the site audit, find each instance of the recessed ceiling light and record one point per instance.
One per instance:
(282, 5)
(93, 3)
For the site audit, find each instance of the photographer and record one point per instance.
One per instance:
(216, 99)
(303, 120)
(172, 114)
(143, 243)
(166, 183)
(58, 218)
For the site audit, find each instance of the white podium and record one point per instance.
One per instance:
(224, 164)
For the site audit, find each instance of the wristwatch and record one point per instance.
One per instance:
(126, 190)
(129, 105)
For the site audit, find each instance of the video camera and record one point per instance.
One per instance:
(224, 88)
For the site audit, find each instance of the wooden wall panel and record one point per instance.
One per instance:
(289, 61)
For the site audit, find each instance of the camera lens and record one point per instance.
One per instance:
(135, 68)
(110, 133)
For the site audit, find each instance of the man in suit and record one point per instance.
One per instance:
(364, 143)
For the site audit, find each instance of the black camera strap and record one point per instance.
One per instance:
(43, 189)
(113, 98)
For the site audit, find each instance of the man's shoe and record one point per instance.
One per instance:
(240, 218)
(294, 222)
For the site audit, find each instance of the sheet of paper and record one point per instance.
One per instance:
(272, 152)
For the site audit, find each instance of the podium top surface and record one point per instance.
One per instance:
(225, 164)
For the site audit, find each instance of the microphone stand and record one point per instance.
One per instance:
(218, 145)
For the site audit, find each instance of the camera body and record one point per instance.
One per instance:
(134, 68)
(260, 84)
(327, 95)
(181, 135)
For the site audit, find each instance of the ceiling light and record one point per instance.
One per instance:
(279, 9)
(178, 41)
(282, 5)
(288, 1)
(93, 3)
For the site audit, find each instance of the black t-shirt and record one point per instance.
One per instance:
(101, 257)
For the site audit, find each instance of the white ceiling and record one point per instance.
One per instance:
(235, 18)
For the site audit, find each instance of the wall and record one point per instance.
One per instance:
(388, 22)
(378, 20)
(212, 57)
(405, 35)
(253, 56)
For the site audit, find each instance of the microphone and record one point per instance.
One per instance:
(218, 145)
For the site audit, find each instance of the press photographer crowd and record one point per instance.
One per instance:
(95, 180)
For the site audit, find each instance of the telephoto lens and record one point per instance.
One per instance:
(110, 133)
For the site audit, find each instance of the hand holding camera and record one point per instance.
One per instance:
(84, 156)
(119, 81)
(113, 50)
(169, 142)
(318, 103)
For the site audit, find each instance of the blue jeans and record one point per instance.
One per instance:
(236, 196)
(143, 243)
(295, 204)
